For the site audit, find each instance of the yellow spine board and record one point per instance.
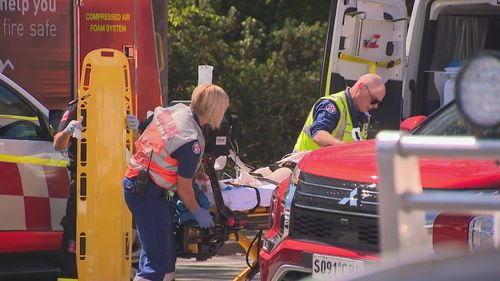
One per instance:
(104, 223)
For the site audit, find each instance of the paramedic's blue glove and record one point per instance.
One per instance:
(204, 218)
(72, 126)
(132, 122)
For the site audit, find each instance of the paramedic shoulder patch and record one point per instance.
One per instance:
(330, 108)
(197, 147)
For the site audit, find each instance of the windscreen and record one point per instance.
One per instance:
(449, 122)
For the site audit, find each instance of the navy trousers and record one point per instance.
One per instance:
(154, 224)
(68, 241)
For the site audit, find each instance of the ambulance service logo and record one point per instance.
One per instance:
(197, 148)
(330, 108)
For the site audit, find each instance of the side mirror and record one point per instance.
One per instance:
(55, 116)
(476, 90)
(410, 123)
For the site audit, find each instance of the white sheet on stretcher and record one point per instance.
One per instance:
(241, 198)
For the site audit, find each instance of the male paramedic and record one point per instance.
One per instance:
(168, 154)
(343, 116)
(64, 140)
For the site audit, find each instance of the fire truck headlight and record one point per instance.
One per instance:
(481, 233)
(282, 214)
(286, 203)
(273, 208)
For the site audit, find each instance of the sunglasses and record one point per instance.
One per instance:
(374, 100)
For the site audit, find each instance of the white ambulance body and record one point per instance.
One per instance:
(418, 58)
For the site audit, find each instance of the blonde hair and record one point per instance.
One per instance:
(210, 102)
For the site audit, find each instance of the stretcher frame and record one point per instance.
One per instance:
(256, 219)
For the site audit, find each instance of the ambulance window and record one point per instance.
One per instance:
(17, 119)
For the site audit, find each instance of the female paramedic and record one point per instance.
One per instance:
(167, 156)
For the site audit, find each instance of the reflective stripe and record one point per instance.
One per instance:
(18, 117)
(33, 160)
(307, 130)
(373, 64)
(166, 161)
(163, 170)
(171, 160)
(169, 177)
(340, 133)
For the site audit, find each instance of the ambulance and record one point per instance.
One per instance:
(417, 54)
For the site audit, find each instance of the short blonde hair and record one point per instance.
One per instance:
(210, 102)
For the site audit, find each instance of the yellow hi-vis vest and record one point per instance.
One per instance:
(344, 130)
(171, 128)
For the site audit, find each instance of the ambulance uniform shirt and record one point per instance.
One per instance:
(188, 156)
(69, 115)
(326, 115)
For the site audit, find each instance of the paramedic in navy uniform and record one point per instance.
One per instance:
(168, 154)
(343, 116)
(64, 140)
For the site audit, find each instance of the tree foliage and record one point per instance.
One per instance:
(267, 56)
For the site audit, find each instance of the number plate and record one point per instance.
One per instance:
(329, 267)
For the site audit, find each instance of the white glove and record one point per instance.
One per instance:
(132, 122)
(73, 126)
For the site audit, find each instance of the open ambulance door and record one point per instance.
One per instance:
(442, 35)
(367, 36)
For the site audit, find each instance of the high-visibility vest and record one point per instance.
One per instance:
(170, 128)
(343, 131)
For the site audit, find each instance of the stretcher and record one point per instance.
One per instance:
(238, 203)
(250, 206)
(105, 83)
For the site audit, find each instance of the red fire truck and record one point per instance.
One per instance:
(44, 43)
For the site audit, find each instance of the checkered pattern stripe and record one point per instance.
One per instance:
(32, 197)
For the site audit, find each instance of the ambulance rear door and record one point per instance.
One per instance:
(442, 36)
(367, 36)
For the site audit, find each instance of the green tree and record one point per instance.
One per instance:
(265, 54)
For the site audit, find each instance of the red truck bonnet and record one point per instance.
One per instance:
(357, 162)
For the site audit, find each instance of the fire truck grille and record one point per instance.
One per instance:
(334, 212)
(337, 230)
